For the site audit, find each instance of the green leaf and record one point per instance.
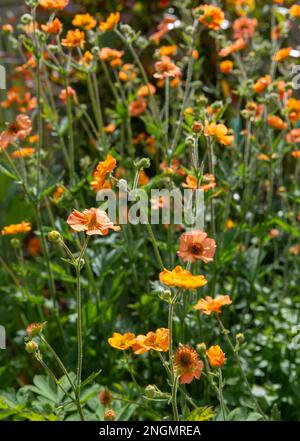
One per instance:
(201, 414)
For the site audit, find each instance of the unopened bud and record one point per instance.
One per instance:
(142, 163)
(31, 347)
(201, 347)
(34, 329)
(54, 236)
(240, 338)
(110, 415)
(15, 243)
(189, 141)
(197, 127)
(150, 391)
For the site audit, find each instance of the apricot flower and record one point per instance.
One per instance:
(112, 20)
(23, 227)
(220, 131)
(17, 130)
(195, 245)
(209, 305)
(157, 341)
(211, 16)
(53, 4)
(91, 221)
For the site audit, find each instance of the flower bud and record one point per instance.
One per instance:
(201, 347)
(110, 415)
(150, 391)
(104, 397)
(54, 236)
(34, 329)
(142, 163)
(197, 127)
(31, 347)
(189, 142)
(240, 338)
(15, 243)
(26, 19)
(166, 295)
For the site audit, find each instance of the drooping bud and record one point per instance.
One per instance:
(54, 236)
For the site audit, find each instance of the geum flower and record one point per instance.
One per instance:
(92, 221)
(209, 305)
(102, 170)
(220, 131)
(211, 16)
(53, 4)
(195, 245)
(187, 364)
(54, 27)
(165, 68)
(85, 21)
(276, 122)
(244, 27)
(157, 341)
(208, 182)
(238, 45)
(113, 56)
(112, 20)
(122, 341)
(17, 130)
(181, 278)
(73, 39)
(216, 356)
(23, 227)
(262, 83)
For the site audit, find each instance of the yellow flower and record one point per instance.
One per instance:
(181, 278)
(23, 227)
(122, 341)
(85, 21)
(110, 22)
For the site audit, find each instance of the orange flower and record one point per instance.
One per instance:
(102, 170)
(238, 45)
(146, 90)
(85, 21)
(229, 224)
(262, 83)
(181, 278)
(295, 11)
(167, 50)
(110, 128)
(157, 341)
(71, 93)
(166, 69)
(86, 59)
(91, 221)
(74, 38)
(113, 56)
(17, 130)
(276, 123)
(187, 364)
(293, 136)
(143, 178)
(282, 54)
(295, 154)
(220, 131)
(226, 66)
(59, 191)
(209, 305)
(53, 4)
(120, 341)
(137, 107)
(208, 182)
(23, 152)
(216, 356)
(54, 27)
(211, 16)
(195, 245)
(7, 27)
(127, 73)
(23, 227)
(112, 20)
(244, 27)
(34, 246)
(293, 108)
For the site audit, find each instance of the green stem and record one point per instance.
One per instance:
(236, 356)
(174, 378)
